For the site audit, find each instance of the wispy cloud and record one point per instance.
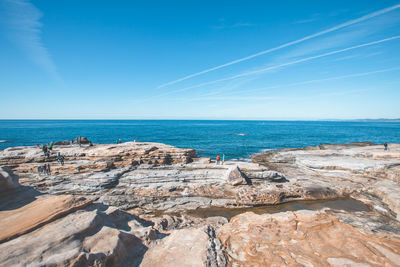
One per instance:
(303, 21)
(243, 24)
(270, 98)
(22, 20)
(229, 87)
(358, 56)
(226, 98)
(340, 77)
(224, 25)
(332, 29)
(277, 66)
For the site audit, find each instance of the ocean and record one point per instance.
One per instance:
(237, 139)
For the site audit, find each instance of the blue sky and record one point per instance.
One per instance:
(199, 59)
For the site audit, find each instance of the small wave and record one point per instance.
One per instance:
(241, 134)
(3, 141)
(241, 160)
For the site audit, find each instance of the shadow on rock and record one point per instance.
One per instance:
(17, 198)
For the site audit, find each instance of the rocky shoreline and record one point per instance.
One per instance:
(152, 204)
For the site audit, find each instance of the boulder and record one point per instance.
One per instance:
(235, 176)
(8, 180)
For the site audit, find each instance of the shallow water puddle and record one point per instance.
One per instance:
(347, 204)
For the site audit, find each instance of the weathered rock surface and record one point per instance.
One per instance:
(303, 238)
(100, 157)
(340, 170)
(41, 211)
(7, 179)
(151, 176)
(155, 177)
(187, 247)
(70, 231)
(66, 218)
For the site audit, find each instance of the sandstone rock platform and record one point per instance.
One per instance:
(150, 204)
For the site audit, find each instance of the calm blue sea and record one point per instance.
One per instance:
(207, 137)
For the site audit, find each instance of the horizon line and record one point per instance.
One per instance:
(199, 119)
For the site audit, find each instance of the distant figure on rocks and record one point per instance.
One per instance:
(51, 146)
(385, 146)
(218, 158)
(223, 159)
(46, 150)
(90, 143)
(120, 141)
(60, 158)
(134, 140)
(48, 168)
(44, 169)
(39, 170)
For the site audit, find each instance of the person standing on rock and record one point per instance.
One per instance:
(48, 168)
(218, 158)
(60, 158)
(44, 169)
(386, 146)
(223, 159)
(46, 151)
(39, 170)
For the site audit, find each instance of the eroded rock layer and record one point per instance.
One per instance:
(356, 168)
(303, 238)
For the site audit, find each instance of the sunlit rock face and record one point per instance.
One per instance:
(43, 230)
(98, 157)
(187, 247)
(303, 238)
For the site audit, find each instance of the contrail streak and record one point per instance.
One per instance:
(316, 81)
(335, 28)
(282, 65)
